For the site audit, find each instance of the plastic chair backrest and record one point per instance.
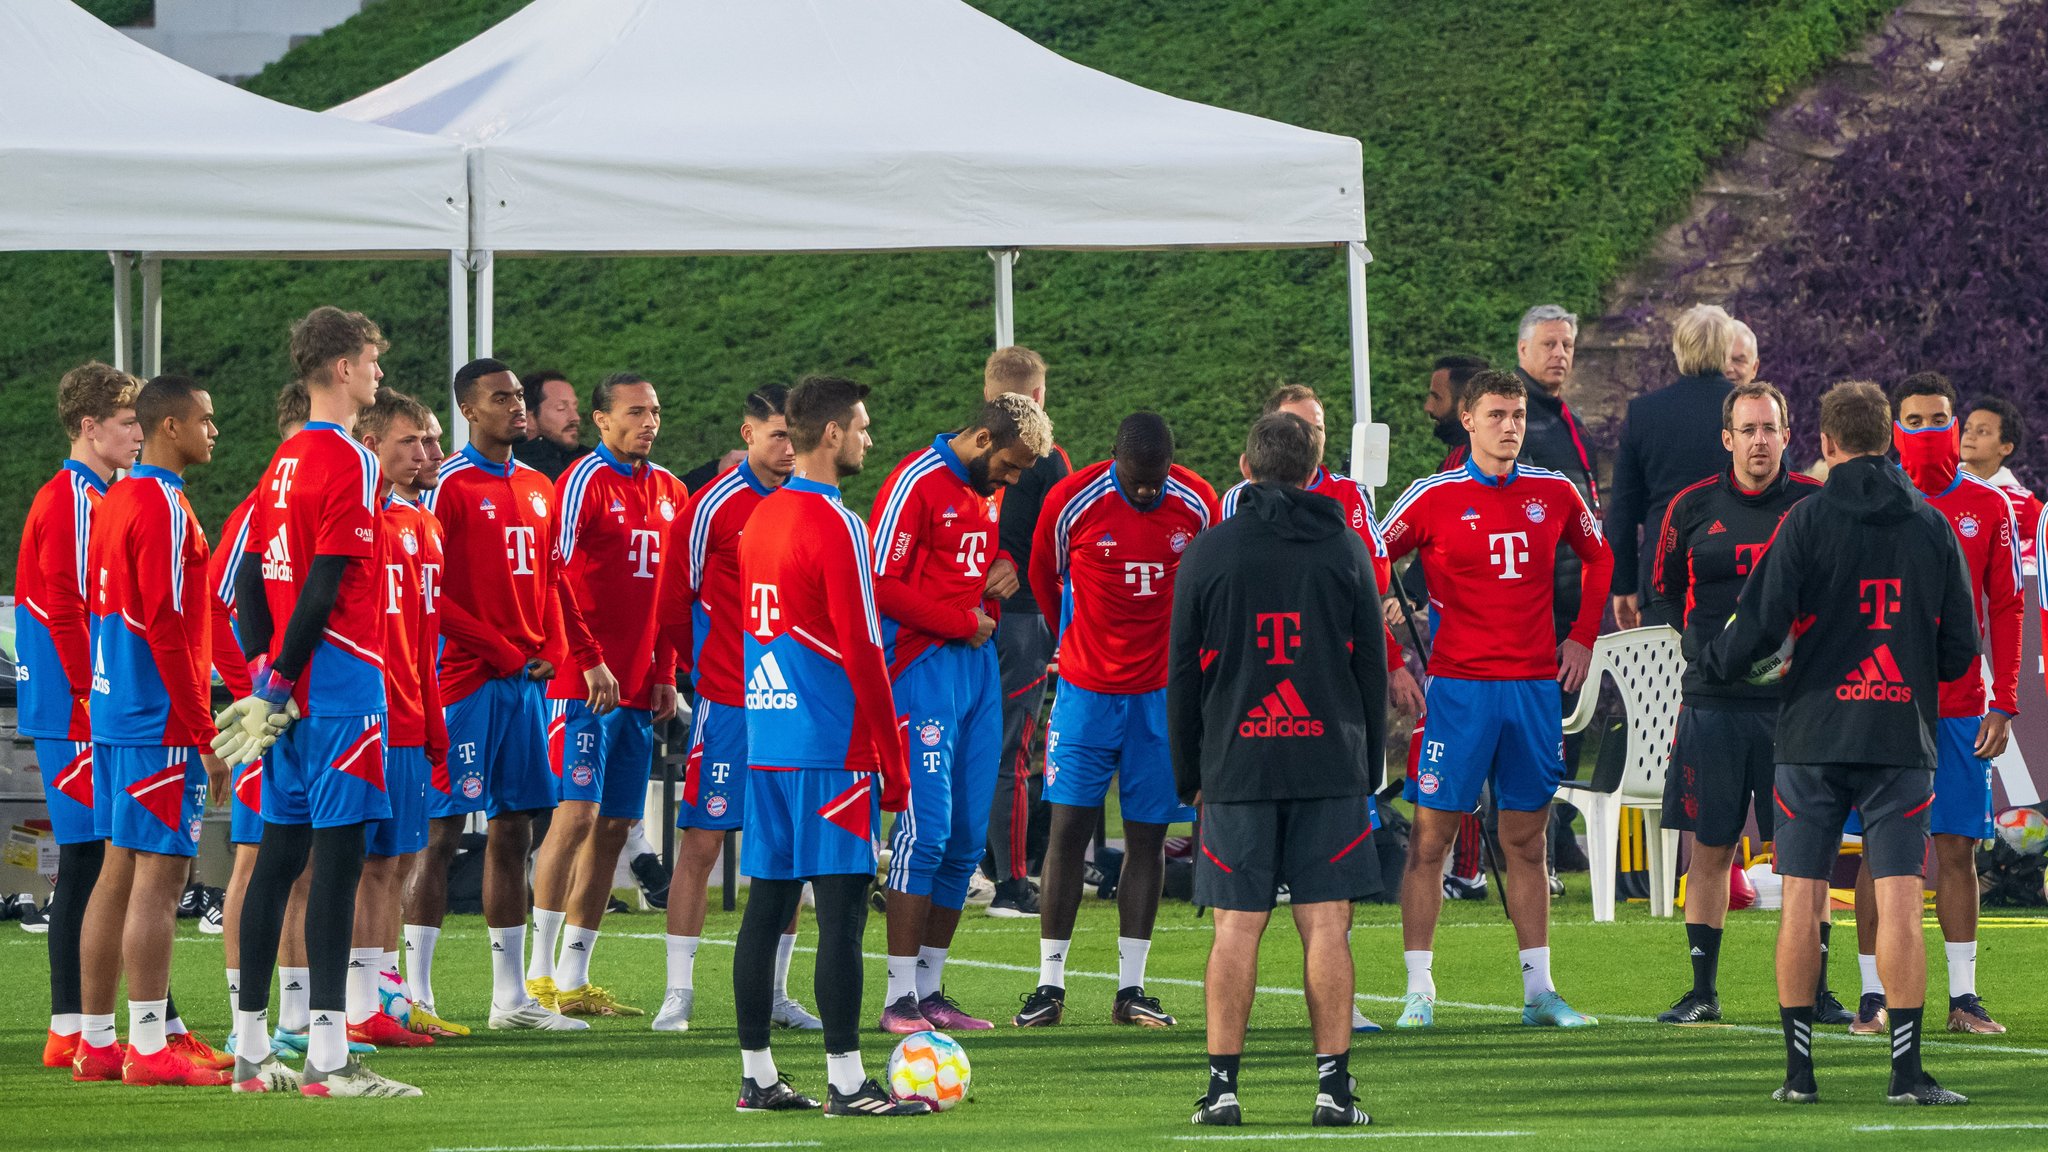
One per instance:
(1647, 667)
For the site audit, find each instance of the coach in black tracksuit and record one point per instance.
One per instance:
(1873, 579)
(1276, 700)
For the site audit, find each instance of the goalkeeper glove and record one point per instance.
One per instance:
(249, 726)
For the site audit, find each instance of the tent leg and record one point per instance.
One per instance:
(486, 302)
(458, 338)
(124, 310)
(1006, 296)
(152, 316)
(1369, 441)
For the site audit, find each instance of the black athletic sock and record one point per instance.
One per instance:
(279, 858)
(78, 869)
(1820, 988)
(1704, 942)
(1798, 1024)
(842, 920)
(331, 914)
(769, 905)
(1905, 1047)
(1333, 1076)
(1222, 1075)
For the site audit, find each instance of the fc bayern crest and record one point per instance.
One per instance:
(1535, 511)
(668, 508)
(1428, 783)
(540, 506)
(715, 807)
(582, 775)
(411, 542)
(472, 787)
(1968, 526)
(930, 735)
(1179, 540)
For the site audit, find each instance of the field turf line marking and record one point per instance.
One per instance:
(1347, 1135)
(1944, 1127)
(626, 1147)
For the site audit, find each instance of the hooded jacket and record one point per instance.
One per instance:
(1870, 581)
(1277, 671)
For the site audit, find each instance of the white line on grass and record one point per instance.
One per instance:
(1944, 1127)
(1349, 1135)
(624, 1147)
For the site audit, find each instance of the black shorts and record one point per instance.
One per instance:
(1814, 799)
(1321, 849)
(1721, 766)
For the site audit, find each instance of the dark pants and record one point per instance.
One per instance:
(1023, 647)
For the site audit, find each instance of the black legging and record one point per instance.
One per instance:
(842, 921)
(78, 869)
(337, 855)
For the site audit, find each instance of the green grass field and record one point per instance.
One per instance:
(1092, 1084)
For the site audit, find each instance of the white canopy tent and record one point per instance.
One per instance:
(704, 126)
(105, 144)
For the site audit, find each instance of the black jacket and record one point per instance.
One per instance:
(1672, 439)
(1556, 441)
(1276, 685)
(1021, 502)
(550, 458)
(1710, 538)
(1876, 579)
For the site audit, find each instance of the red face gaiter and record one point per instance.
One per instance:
(1930, 456)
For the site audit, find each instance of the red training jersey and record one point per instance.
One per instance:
(221, 570)
(614, 542)
(700, 591)
(412, 628)
(1488, 547)
(1110, 567)
(1984, 525)
(151, 630)
(52, 647)
(934, 542)
(2026, 511)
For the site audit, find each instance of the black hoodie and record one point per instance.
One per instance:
(1276, 683)
(1871, 581)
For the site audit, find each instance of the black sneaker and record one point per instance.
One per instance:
(210, 920)
(653, 879)
(870, 1100)
(1134, 1007)
(1014, 900)
(1925, 1091)
(192, 902)
(1221, 1112)
(1043, 1007)
(1459, 888)
(30, 914)
(1334, 1113)
(1827, 1009)
(1692, 1008)
(9, 909)
(1787, 1094)
(776, 1097)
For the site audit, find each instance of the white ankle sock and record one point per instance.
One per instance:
(1962, 967)
(234, 992)
(682, 960)
(843, 1071)
(1535, 973)
(146, 1026)
(573, 967)
(327, 1040)
(1420, 978)
(175, 1026)
(362, 983)
(758, 1067)
(902, 979)
(508, 987)
(66, 1023)
(294, 990)
(419, 962)
(1052, 961)
(1866, 965)
(547, 930)
(785, 947)
(252, 1035)
(931, 970)
(1131, 953)
(96, 1029)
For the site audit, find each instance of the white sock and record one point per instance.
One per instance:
(637, 843)
(785, 947)
(66, 1023)
(1130, 961)
(508, 988)
(547, 930)
(902, 979)
(759, 1067)
(146, 1026)
(326, 1041)
(175, 1026)
(419, 962)
(682, 960)
(1866, 964)
(843, 1071)
(295, 988)
(573, 968)
(1052, 961)
(234, 994)
(252, 1035)
(931, 970)
(362, 983)
(1962, 967)
(96, 1029)
(1420, 978)
(1535, 973)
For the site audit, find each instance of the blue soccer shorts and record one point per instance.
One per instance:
(327, 771)
(1093, 736)
(405, 782)
(245, 803)
(604, 760)
(953, 697)
(1962, 783)
(1509, 732)
(715, 775)
(809, 823)
(155, 798)
(497, 751)
(66, 766)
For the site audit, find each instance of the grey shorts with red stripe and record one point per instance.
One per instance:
(1813, 801)
(1320, 849)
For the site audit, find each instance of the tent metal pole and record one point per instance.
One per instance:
(458, 338)
(124, 310)
(152, 316)
(1006, 296)
(1356, 258)
(486, 301)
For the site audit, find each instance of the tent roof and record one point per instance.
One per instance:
(801, 125)
(104, 144)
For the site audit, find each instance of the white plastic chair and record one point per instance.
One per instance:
(1646, 665)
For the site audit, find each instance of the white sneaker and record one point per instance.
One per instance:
(531, 1015)
(787, 1013)
(1359, 1023)
(352, 1079)
(980, 889)
(675, 1010)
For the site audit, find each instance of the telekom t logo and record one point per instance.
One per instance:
(1746, 557)
(1880, 599)
(430, 586)
(1508, 549)
(466, 750)
(1142, 573)
(644, 550)
(1434, 749)
(394, 588)
(763, 603)
(1280, 634)
(283, 484)
(519, 548)
(973, 552)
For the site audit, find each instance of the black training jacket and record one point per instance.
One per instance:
(1276, 684)
(1875, 577)
(1021, 504)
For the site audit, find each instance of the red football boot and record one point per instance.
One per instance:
(97, 1063)
(58, 1051)
(199, 1052)
(167, 1067)
(383, 1031)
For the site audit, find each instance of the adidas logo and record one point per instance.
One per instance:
(357, 964)
(1107, 541)
(1528, 967)
(1697, 952)
(497, 947)
(1877, 678)
(1282, 713)
(767, 689)
(277, 558)
(1324, 1068)
(1717, 529)
(148, 1018)
(577, 946)
(323, 1020)
(921, 965)
(100, 684)
(1057, 956)
(293, 986)
(1470, 514)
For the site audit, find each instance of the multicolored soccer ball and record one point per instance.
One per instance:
(2024, 830)
(932, 1067)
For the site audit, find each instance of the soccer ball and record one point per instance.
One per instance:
(932, 1067)
(2024, 830)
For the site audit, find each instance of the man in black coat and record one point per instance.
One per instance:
(1276, 699)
